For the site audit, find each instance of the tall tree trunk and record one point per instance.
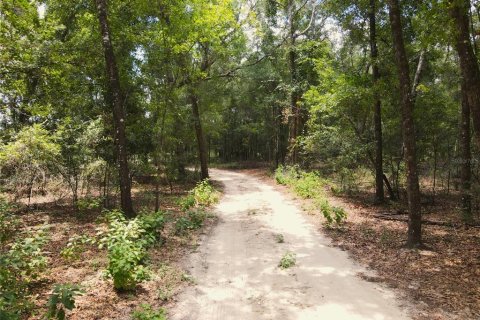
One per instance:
(114, 97)
(466, 157)
(414, 238)
(295, 114)
(377, 119)
(202, 148)
(468, 61)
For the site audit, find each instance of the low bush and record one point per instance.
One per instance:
(205, 194)
(192, 221)
(309, 185)
(62, 299)
(127, 242)
(334, 216)
(8, 222)
(21, 264)
(146, 312)
(76, 246)
(288, 260)
(89, 203)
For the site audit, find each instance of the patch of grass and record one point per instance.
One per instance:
(147, 312)
(188, 278)
(279, 238)
(288, 260)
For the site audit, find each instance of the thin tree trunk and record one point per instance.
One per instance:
(294, 117)
(114, 97)
(466, 157)
(202, 148)
(377, 119)
(468, 61)
(414, 238)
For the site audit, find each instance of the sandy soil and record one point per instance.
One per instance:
(236, 265)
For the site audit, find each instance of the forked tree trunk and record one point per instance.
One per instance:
(114, 97)
(414, 238)
(377, 119)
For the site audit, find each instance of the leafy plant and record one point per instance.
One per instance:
(279, 237)
(333, 215)
(288, 260)
(75, 247)
(309, 185)
(127, 242)
(205, 194)
(62, 299)
(8, 222)
(21, 265)
(284, 175)
(187, 202)
(146, 312)
(192, 221)
(89, 203)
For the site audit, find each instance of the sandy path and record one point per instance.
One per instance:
(236, 273)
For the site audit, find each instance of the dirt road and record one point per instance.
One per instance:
(236, 266)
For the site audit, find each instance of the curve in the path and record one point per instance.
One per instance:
(236, 267)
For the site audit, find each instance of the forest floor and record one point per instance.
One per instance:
(440, 283)
(100, 300)
(237, 272)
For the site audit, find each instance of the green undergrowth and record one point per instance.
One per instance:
(288, 260)
(310, 185)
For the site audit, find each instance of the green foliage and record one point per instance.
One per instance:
(26, 159)
(279, 238)
(205, 194)
(285, 175)
(333, 215)
(76, 246)
(288, 260)
(21, 265)
(89, 203)
(187, 202)
(192, 221)
(146, 312)
(62, 299)
(8, 222)
(310, 185)
(127, 242)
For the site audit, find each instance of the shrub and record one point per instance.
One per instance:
(20, 265)
(309, 185)
(146, 312)
(285, 175)
(288, 260)
(333, 215)
(75, 247)
(62, 299)
(205, 194)
(127, 242)
(192, 221)
(8, 222)
(187, 202)
(89, 203)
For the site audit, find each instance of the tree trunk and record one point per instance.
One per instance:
(114, 97)
(202, 148)
(466, 157)
(468, 61)
(377, 119)
(414, 238)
